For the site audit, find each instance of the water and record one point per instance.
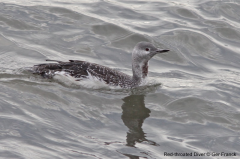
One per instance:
(196, 109)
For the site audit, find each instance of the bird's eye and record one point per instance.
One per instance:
(147, 49)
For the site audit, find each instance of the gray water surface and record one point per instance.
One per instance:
(195, 109)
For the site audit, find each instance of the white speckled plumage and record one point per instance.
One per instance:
(141, 54)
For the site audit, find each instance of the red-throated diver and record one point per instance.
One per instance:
(141, 54)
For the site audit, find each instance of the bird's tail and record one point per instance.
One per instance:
(47, 70)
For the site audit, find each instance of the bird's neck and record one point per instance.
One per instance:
(140, 70)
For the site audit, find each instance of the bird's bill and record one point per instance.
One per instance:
(157, 52)
(161, 51)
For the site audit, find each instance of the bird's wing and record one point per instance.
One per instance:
(80, 69)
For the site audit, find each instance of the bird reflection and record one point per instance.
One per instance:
(133, 116)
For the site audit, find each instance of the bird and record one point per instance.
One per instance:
(141, 54)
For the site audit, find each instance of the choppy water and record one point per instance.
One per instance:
(196, 109)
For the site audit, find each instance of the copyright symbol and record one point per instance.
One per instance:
(208, 154)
